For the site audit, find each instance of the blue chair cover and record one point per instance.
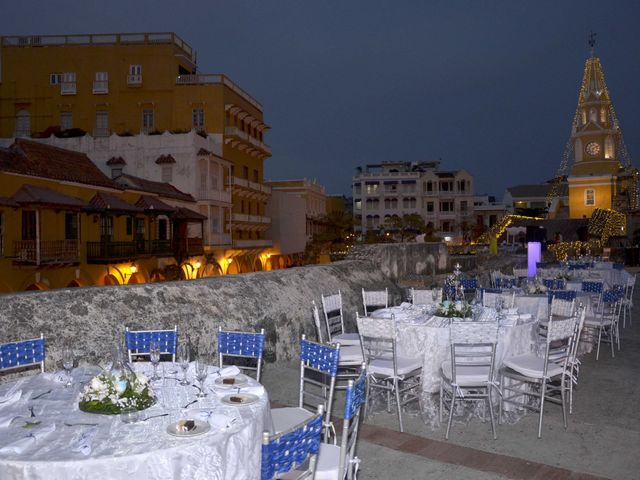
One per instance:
(469, 283)
(355, 396)
(138, 341)
(592, 287)
(612, 295)
(562, 295)
(246, 344)
(283, 453)
(22, 354)
(506, 282)
(320, 357)
(618, 266)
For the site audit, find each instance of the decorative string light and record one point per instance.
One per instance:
(499, 228)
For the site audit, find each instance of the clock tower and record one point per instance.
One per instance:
(601, 174)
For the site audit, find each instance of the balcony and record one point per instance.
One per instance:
(209, 195)
(243, 217)
(68, 88)
(252, 243)
(47, 252)
(187, 247)
(219, 239)
(255, 186)
(134, 80)
(100, 87)
(111, 252)
(250, 143)
(217, 79)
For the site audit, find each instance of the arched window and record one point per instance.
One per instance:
(584, 117)
(23, 123)
(603, 116)
(609, 148)
(593, 115)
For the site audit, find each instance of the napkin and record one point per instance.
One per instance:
(58, 377)
(216, 420)
(257, 390)
(25, 442)
(82, 443)
(229, 371)
(10, 398)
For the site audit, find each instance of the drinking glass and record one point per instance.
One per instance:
(67, 363)
(154, 356)
(129, 415)
(434, 295)
(183, 361)
(202, 370)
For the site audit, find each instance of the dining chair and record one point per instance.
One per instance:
(398, 376)
(318, 370)
(374, 299)
(574, 362)
(293, 451)
(605, 321)
(554, 283)
(627, 301)
(541, 378)
(468, 375)
(247, 347)
(594, 289)
(426, 297)
(22, 354)
(505, 282)
(138, 342)
(340, 461)
(333, 317)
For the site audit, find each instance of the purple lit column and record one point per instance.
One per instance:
(534, 255)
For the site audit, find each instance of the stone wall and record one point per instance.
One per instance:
(94, 318)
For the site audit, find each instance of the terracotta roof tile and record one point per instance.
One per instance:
(165, 159)
(162, 189)
(154, 204)
(40, 160)
(116, 161)
(187, 214)
(32, 195)
(105, 202)
(7, 202)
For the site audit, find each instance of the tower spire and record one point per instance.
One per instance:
(592, 42)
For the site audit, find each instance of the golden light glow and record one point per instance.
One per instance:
(229, 260)
(133, 269)
(197, 265)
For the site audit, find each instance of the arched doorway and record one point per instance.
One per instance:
(157, 276)
(233, 268)
(37, 286)
(109, 279)
(135, 278)
(256, 264)
(211, 270)
(74, 284)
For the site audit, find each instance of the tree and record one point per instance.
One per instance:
(408, 225)
(336, 236)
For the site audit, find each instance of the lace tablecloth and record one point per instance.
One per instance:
(422, 335)
(143, 450)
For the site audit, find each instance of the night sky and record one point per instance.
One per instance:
(486, 86)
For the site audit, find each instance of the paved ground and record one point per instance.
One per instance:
(602, 440)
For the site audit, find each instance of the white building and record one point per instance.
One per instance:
(443, 198)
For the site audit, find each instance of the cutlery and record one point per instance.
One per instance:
(77, 424)
(41, 395)
(190, 403)
(154, 416)
(194, 385)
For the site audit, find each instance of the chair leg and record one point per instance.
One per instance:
(451, 407)
(599, 338)
(501, 400)
(543, 391)
(441, 393)
(493, 423)
(367, 398)
(612, 338)
(564, 401)
(397, 390)
(571, 389)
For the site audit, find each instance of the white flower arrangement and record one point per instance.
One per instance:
(459, 309)
(109, 393)
(535, 286)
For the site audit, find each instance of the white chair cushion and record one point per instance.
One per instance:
(385, 367)
(350, 355)
(596, 321)
(328, 463)
(287, 417)
(345, 339)
(532, 366)
(467, 376)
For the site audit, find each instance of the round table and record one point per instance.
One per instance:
(142, 450)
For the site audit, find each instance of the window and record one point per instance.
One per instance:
(129, 226)
(357, 204)
(590, 197)
(429, 187)
(163, 230)
(461, 185)
(446, 186)
(256, 176)
(463, 207)
(29, 225)
(446, 227)
(593, 115)
(584, 117)
(106, 227)
(213, 176)
(71, 226)
(357, 188)
(147, 120)
(140, 228)
(102, 124)
(55, 78)
(446, 206)
(167, 173)
(23, 123)
(603, 116)
(101, 83)
(245, 173)
(390, 187)
(68, 84)
(429, 207)
(198, 119)
(372, 188)
(135, 75)
(116, 172)
(66, 120)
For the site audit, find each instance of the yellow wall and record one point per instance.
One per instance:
(603, 195)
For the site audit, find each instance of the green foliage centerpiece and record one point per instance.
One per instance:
(458, 309)
(109, 394)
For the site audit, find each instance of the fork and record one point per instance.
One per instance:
(190, 403)
(78, 424)
(41, 395)
(154, 416)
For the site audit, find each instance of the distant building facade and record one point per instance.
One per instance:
(487, 212)
(531, 200)
(443, 198)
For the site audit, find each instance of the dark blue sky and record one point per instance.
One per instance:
(486, 86)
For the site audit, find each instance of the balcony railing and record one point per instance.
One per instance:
(134, 79)
(46, 252)
(243, 217)
(252, 243)
(218, 239)
(188, 246)
(217, 79)
(107, 252)
(246, 138)
(214, 195)
(68, 88)
(100, 86)
(258, 187)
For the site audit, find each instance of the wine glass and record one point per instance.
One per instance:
(434, 295)
(67, 363)
(202, 370)
(154, 356)
(183, 361)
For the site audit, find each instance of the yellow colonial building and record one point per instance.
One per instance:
(600, 176)
(138, 105)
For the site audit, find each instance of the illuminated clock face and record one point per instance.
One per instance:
(593, 148)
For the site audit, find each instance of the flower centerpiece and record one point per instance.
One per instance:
(109, 394)
(459, 309)
(535, 286)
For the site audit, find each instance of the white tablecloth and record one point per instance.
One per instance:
(421, 335)
(143, 450)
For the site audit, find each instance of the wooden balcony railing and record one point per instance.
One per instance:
(188, 246)
(108, 252)
(47, 252)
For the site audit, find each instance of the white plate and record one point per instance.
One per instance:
(238, 381)
(245, 399)
(200, 429)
